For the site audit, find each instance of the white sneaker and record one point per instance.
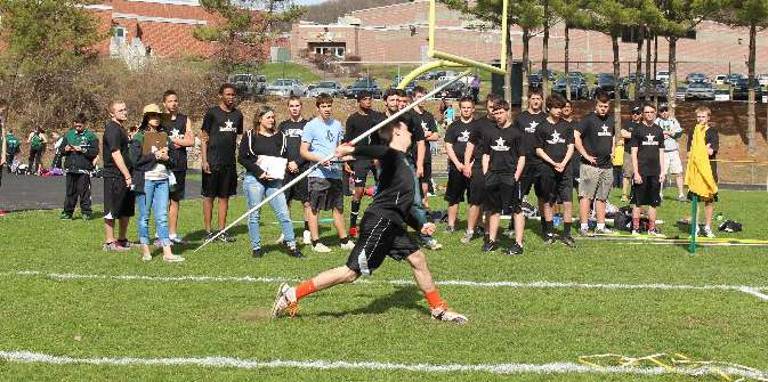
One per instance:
(635, 232)
(443, 314)
(173, 259)
(320, 248)
(348, 245)
(307, 237)
(467, 237)
(604, 231)
(280, 239)
(285, 302)
(146, 257)
(708, 232)
(433, 244)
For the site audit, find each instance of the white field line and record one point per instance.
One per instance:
(504, 368)
(751, 290)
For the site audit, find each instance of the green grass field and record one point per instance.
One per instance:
(62, 296)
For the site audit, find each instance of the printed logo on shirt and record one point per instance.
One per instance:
(228, 127)
(650, 140)
(464, 136)
(294, 133)
(555, 138)
(176, 134)
(425, 127)
(500, 145)
(604, 132)
(531, 127)
(331, 137)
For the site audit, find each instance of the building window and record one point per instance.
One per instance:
(119, 34)
(334, 50)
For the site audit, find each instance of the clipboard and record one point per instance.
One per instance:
(273, 166)
(154, 141)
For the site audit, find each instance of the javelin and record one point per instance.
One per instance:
(331, 156)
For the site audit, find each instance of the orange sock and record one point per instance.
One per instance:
(305, 288)
(434, 300)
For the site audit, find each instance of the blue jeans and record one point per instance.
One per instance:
(256, 191)
(155, 197)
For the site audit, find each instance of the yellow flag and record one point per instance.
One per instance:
(698, 174)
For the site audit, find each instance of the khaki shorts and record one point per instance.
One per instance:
(595, 182)
(672, 163)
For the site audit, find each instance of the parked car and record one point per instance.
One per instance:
(248, 85)
(680, 93)
(763, 79)
(741, 90)
(605, 82)
(408, 88)
(332, 88)
(662, 75)
(696, 77)
(578, 75)
(368, 84)
(286, 87)
(579, 89)
(720, 79)
(722, 95)
(700, 90)
(550, 74)
(658, 90)
(733, 78)
(457, 89)
(433, 75)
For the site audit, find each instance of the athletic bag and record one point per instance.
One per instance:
(36, 143)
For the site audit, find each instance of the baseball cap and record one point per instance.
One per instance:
(637, 110)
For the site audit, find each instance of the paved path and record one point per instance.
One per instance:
(24, 192)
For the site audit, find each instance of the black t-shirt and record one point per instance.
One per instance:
(483, 128)
(554, 139)
(176, 129)
(222, 128)
(504, 146)
(457, 135)
(629, 126)
(427, 122)
(597, 138)
(359, 123)
(528, 124)
(417, 133)
(292, 131)
(115, 139)
(648, 140)
(254, 145)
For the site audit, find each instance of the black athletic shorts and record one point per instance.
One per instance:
(646, 193)
(179, 189)
(427, 177)
(477, 187)
(556, 187)
(325, 194)
(531, 179)
(502, 194)
(299, 191)
(379, 238)
(119, 201)
(221, 182)
(458, 185)
(361, 168)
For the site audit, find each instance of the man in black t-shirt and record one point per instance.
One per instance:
(566, 115)
(358, 123)
(503, 163)
(179, 129)
(456, 139)
(647, 144)
(626, 134)
(473, 169)
(222, 125)
(527, 122)
(424, 119)
(292, 129)
(118, 201)
(554, 145)
(594, 140)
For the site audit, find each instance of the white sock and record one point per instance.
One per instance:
(707, 228)
(172, 236)
(584, 226)
(600, 225)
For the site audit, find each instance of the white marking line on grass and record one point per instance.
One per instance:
(751, 290)
(503, 368)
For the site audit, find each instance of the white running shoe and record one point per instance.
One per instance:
(432, 244)
(467, 237)
(708, 232)
(320, 248)
(146, 257)
(285, 302)
(280, 239)
(348, 245)
(443, 314)
(604, 231)
(306, 237)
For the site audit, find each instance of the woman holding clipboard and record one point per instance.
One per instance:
(264, 154)
(152, 181)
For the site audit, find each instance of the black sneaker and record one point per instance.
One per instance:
(65, 216)
(479, 230)
(449, 229)
(568, 240)
(515, 250)
(489, 246)
(550, 239)
(125, 243)
(225, 238)
(210, 235)
(87, 216)
(293, 251)
(256, 253)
